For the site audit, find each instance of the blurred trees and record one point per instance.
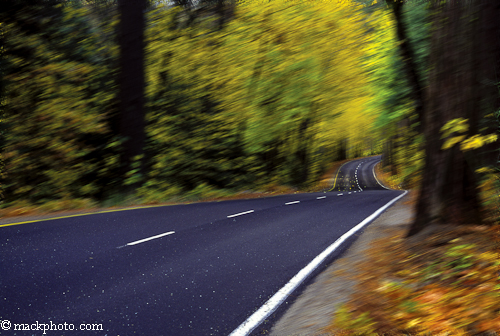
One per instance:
(58, 97)
(237, 96)
(426, 87)
(266, 100)
(463, 83)
(397, 102)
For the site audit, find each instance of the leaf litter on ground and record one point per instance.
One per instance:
(445, 281)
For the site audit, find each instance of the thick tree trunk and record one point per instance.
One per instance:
(449, 188)
(409, 62)
(487, 61)
(131, 82)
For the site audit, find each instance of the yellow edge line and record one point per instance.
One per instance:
(338, 171)
(84, 214)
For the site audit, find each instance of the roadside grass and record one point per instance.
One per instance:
(446, 281)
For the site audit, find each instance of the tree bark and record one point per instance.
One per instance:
(409, 62)
(449, 187)
(131, 82)
(342, 150)
(487, 62)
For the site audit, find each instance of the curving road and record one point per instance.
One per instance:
(357, 175)
(193, 269)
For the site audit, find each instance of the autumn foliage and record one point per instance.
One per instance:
(266, 101)
(445, 284)
(272, 98)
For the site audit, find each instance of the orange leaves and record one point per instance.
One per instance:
(431, 296)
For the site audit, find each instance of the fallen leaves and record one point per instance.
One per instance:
(447, 283)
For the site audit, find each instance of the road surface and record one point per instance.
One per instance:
(193, 269)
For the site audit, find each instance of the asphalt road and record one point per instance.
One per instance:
(195, 269)
(357, 175)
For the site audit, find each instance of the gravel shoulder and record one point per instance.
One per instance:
(314, 309)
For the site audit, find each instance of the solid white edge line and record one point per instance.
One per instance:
(241, 213)
(292, 202)
(153, 237)
(270, 306)
(321, 197)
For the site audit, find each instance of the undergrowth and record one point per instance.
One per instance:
(446, 284)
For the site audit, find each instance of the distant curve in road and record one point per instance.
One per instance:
(357, 175)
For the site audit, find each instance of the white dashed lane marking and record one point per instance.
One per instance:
(150, 238)
(356, 175)
(241, 213)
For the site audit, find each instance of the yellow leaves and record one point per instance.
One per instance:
(276, 66)
(450, 142)
(414, 322)
(485, 170)
(477, 141)
(460, 125)
(396, 299)
(489, 257)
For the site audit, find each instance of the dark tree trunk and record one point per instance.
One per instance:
(131, 82)
(487, 62)
(409, 62)
(302, 153)
(342, 150)
(459, 53)
(388, 154)
(223, 11)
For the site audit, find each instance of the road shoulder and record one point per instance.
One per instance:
(315, 307)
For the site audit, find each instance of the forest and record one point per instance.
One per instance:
(111, 103)
(226, 97)
(271, 97)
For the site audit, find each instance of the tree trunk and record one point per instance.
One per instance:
(487, 60)
(131, 83)
(409, 62)
(342, 150)
(449, 188)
